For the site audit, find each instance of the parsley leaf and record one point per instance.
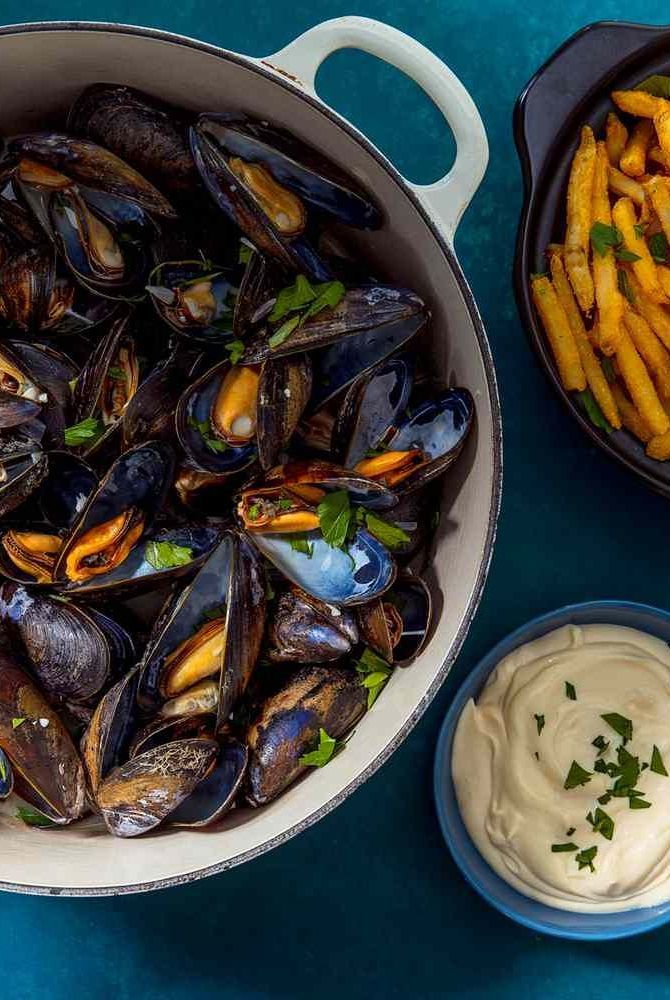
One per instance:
(117, 373)
(608, 369)
(638, 803)
(626, 256)
(620, 724)
(299, 302)
(601, 823)
(570, 691)
(165, 555)
(284, 331)
(588, 403)
(659, 248)
(577, 775)
(293, 298)
(375, 672)
(235, 350)
(325, 751)
(335, 515)
(300, 543)
(563, 848)
(245, 253)
(640, 229)
(214, 613)
(31, 817)
(624, 286)
(204, 429)
(601, 744)
(85, 431)
(604, 237)
(254, 512)
(18, 722)
(657, 765)
(656, 85)
(585, 858)
(539, 719)
(387, 533)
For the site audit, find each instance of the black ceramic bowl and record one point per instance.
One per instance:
(570, 90)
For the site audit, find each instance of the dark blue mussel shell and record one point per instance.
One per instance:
(64, 492)
(215, 794)
(194, 409)
(438, 426)
(6, 776)
(372, 404)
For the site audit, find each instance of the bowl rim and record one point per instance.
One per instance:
(447, 805)
(265, 69)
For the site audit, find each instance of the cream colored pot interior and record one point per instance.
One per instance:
(40, 73)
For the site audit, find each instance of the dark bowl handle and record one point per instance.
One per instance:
(567, 80)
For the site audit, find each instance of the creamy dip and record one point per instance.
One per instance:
(513, 751)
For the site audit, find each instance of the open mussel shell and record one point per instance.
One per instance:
(299, 168)
(107, 738)
(328, 477)
(149, 414)
(20, 475)
(206, 449)
(138, 795)
(116, 516)
(66, 649)
(84, 161)
(15, 410)
(366, 326)
(162, 730)
(29, 551)
(313, 698)
(305, 630)
(17, 378)
(357, 573)
(26, 285)
(285, 386)
(107, 382)
(147, 134)
(397, 625)
(215, 794)
(53, 370)
(66, 489)
(18, 229)
(371, 405)
(47, 771)
(195, 298)
(6, 776)
(258, 286)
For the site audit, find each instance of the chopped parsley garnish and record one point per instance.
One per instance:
(659, 248)
(31, 817)
(285, 504)
(604, 238)
(626, 256)
(620, 724)
(588, 403)
(245, 253)
(18, 722)
(387, 533)
(324, 752)
(657, 85)
(300, 543)
(639, 803)
(585, 858)
(254, 512)
(640, 229)
(624, 286)
(563, 848)
(601, 745)
(214, 613)
(570, 691)
(117, 373)
(374, 671)
(335, 516)
(608, 369)
(577, 775)
(657, 765)
(235, 350)
(539, 721)
(165, 555)
(84, 432)
(300, 301)
(204, 429)
(602, 823)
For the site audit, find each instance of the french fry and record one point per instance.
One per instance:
(634, 157)
(659, 194)
(626, 186)
(663, 272)
(662, 125)
(640, 386)
(616, 137)
(639, 103)
(657, 156)
(630, 418)
(607, 294)
(659, 447)
(657, 318)
(595, 378)
(559, 334)
(580, 190)
(653, 353)
(644, 268)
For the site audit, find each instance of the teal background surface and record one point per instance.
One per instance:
(368, 903)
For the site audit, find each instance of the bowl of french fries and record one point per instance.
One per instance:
(592, 269)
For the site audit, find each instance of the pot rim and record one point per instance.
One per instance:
(264, 68)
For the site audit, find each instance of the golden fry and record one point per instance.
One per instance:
(640, 386)
(657, 156)
(657, 317)
(580, 189)
(626, 186)
(663, 272)
(644, 268)
(659, 447)
(634, 157)
(639, 103)
(607, 294)
(662, 124)
(659, 194)
(651, 349)
(559, 334)
(616, 137)
(631, 419)
(595, 378)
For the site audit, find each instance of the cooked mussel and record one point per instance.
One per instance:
(138, 795)
(314, 698)
(149, 414)
(312, 480)
(106, 741)
(215, 794)
(305, 630)
(47, 771)
(371, 405)
(16, 378)
(29, 553)
(160, 730)
(195, 298)
(201, 699)
(397, 625)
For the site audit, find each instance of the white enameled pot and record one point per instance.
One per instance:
(42, 68)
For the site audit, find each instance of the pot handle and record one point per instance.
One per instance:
(446, 199)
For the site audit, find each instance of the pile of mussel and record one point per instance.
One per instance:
(219, 455)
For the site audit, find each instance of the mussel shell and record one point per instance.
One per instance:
(53, 370)
(260, 281)
(16, 376)
(61, 643)
(149, 415)
(98, 168)
(366, 326)
(20, 475)
(361, 571)
(65, 490)
(194, 408)
(330, 698)
(304, 630)
(283, 393)
(21, 440)
(147, 134)
(138, 795)
(169, 275)
(107, 738)
(440, 427)
(139, 479)
(6, 776)
(15, 411)
(7, 566)
(17, 226)
(159, 731)
(47, 771)
(215, 794)
(333, 477)
(371, 406)
(26, 281)
(411, 598)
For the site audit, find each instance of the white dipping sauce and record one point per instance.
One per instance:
(515, 806)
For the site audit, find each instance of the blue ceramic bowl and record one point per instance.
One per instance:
(530, 913)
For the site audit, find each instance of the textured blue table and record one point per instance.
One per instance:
(368, 902)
